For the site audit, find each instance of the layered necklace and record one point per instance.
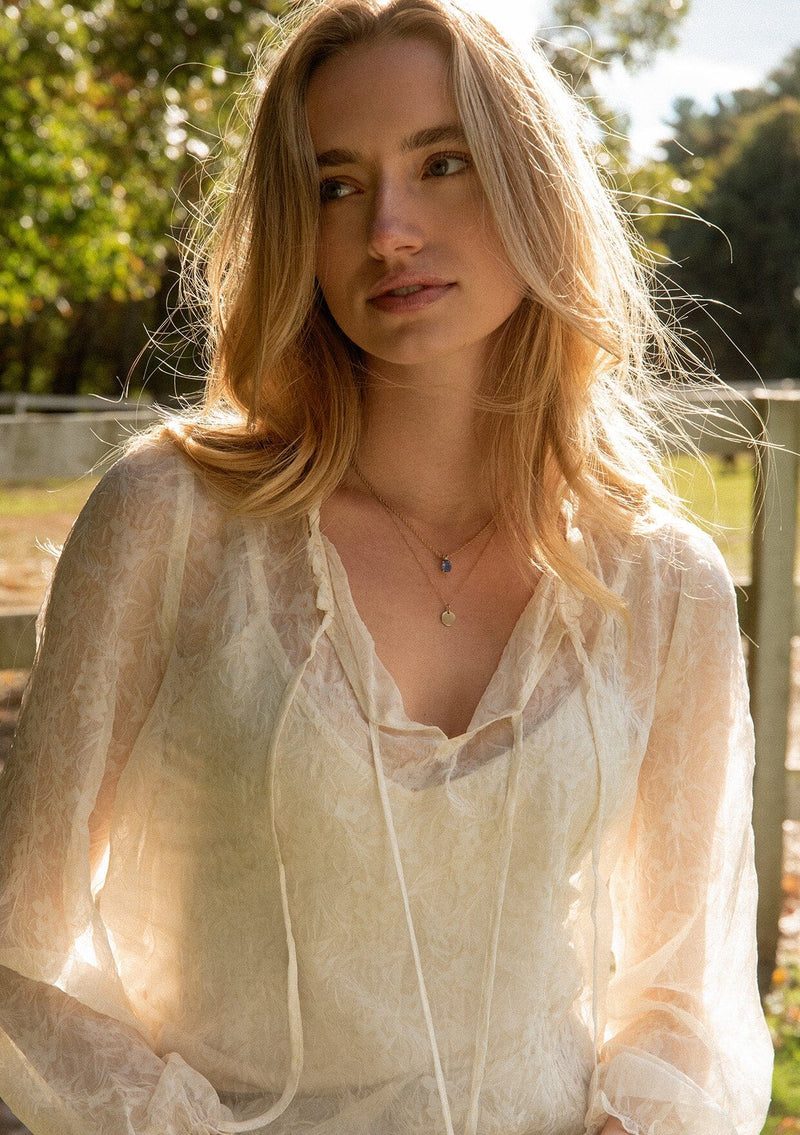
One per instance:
(444, 559)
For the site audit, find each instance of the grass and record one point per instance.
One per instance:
(32, 518)
(783, 1018)
(45, 498)
(719, 498)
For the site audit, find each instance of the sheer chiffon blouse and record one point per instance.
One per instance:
(242, 891)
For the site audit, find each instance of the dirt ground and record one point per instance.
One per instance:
(27, 559)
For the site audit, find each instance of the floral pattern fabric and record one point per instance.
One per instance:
(241, 890)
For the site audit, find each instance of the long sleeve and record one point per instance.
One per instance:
(73, 1058)
(687, 1051)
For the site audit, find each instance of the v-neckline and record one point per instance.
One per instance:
(380, 695)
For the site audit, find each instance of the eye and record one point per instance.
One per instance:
(333, 190)
(446, 165)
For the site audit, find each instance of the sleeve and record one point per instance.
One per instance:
(687, 1050)
(72, 1059)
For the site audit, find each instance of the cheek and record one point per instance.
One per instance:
(334, 255)
(492, 245)
(323, 256)
(473, 228)
(332, 277)
(495, 259)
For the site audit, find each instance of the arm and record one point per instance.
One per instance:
(686, 1046)
(72, 1056)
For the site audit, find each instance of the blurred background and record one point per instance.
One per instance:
(113, 115)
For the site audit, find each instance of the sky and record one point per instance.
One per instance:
(724, 44)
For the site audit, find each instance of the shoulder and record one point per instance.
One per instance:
(679, 555)
(122, 547)
(150, 489)
(672, 579)
(682, 596)
(664, 551)
(130, 520)
(155, 505)
(147, 476)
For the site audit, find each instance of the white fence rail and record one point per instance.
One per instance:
(36, 446)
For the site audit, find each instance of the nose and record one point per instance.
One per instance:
(395, 223)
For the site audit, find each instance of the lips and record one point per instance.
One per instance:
(405, 292)
(405, 281)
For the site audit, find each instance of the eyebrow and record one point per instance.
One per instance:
(450, 132)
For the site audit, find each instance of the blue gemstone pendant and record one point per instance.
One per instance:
(446, 565)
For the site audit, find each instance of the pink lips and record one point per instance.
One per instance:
(407, 292)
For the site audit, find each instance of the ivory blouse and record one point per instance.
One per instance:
(242, 891)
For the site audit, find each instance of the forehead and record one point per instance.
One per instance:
(394, 85)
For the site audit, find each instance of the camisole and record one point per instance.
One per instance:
(243, 891)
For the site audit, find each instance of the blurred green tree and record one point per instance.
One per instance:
(746, 253)
(592, 36)
(699, 136)
(106, 109)
(588, 35)
(731, 227)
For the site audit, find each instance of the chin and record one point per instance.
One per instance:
(412, 352)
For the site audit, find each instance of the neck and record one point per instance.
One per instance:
(421, 448)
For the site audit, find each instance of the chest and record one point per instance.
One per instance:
(440, 670)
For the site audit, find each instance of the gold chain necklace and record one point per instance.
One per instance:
(445, 558)
(447, 616)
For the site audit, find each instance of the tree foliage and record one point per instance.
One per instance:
(107, 108)
(597, 33)
(104, 106)
(736, 167)
(700, 136)
(594, 36)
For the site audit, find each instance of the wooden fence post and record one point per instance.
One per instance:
(773, 556)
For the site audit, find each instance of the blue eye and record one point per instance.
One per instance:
(445, 165)
(333, 190)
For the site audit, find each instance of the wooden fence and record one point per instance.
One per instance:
(34, 446)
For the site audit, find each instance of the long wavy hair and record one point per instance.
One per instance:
(569, 396)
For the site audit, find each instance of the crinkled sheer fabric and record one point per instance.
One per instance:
(243, 891)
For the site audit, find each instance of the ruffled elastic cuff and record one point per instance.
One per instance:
(650, 1097)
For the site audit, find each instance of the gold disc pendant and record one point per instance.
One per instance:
(448, 618)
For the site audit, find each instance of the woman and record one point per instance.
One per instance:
(386, 765)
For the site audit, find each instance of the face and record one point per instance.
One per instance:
(409, 261)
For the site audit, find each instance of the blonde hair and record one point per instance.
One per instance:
(577, 368)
